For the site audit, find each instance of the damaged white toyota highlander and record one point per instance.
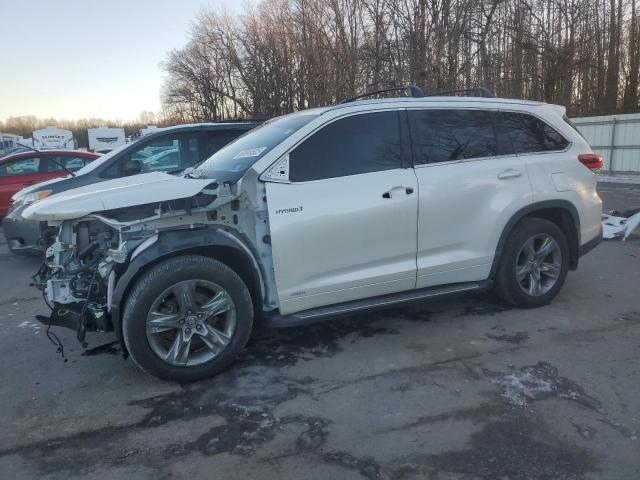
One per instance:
(321, 213)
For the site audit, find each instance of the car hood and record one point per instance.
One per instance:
(118, 193)
(21, 193)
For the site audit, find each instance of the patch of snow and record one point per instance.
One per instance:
(35, 326)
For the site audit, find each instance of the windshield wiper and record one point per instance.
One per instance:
(62, 166)
(52, 159)
(193, 172)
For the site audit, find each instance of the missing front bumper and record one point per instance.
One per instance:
(80, 318)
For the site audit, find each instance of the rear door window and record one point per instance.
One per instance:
(54, 163)
(528, 134)
(441, 135)
(23, 166)
(353, 145)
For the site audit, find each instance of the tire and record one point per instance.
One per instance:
(515, 281)
(167, 312)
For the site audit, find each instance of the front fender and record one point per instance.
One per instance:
(169, 244)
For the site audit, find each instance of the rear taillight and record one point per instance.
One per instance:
(591, 161)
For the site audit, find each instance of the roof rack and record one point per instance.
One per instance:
(241, 120)
(479, 91)
(412, 90)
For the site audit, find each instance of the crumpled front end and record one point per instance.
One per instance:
(91, 254)
(79, 272)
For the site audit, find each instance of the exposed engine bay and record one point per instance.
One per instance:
(89, 255)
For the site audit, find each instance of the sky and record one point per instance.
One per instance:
(72, 59)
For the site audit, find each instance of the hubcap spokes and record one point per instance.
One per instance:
(538, 265)
(191, 322)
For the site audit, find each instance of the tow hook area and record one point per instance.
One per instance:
(80, 318)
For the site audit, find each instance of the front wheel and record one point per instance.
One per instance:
(534, 264)
(187, 318)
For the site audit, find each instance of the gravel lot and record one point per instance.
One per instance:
(457, 389)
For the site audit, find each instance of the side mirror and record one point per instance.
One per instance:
(132, 167)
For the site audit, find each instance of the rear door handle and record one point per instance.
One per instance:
(394, 190)
(509, 173)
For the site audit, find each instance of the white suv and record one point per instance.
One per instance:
(320, 213)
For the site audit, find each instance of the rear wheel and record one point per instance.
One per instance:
(187, 318)
(534, 264)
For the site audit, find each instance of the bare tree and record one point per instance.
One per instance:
(284, 55)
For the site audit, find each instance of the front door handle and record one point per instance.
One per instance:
(396, 190)
(509, 173)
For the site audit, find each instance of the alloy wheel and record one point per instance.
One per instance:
(538, 265)
(191, 322)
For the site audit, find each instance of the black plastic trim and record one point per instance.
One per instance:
(309, 317)
(169, 244)
(591, 244)
(523, 212)
(412, 90)
(479, 91)
(405, 139)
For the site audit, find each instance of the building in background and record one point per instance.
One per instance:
(53, 138)
(615, 137)
(10, 143)
(25, 142)
(7, 142)
(142, 132)
(104, 139)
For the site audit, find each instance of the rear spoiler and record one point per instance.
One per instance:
(559, 110)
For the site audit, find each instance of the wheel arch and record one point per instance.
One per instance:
(217, 244)
(560, 212)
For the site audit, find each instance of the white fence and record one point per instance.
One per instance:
(616, 138)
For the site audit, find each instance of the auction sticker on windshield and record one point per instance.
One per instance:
(250, 152)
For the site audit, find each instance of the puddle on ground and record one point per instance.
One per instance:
(111, 348)
(287, 346)
(585, 431)
(507, 449)
(242, 400)
(486, 308)
(619, 427)
(500, 334)
(367, 467)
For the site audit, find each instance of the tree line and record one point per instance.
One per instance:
(279, 56)
(26, 124)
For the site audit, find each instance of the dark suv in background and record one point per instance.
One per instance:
(170, 150)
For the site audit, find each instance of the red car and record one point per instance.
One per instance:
(28, 168)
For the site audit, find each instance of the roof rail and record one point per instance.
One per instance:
(241, 120)
(479, 91)
(412, 90)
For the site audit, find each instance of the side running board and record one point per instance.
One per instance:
(307, 317)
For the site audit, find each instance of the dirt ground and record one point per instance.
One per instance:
(458, 389)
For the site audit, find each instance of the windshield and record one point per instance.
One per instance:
(232, 161)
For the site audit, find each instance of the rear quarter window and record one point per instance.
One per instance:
(529, 134)
(23, 166)
(575, 129)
